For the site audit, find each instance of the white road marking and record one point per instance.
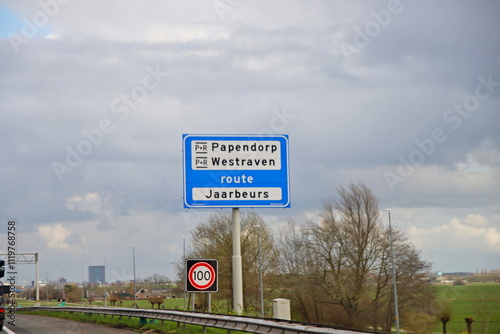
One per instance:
(8, 330)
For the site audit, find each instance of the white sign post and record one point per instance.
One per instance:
(237, 266)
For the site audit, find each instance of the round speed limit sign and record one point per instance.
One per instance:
(201, 275)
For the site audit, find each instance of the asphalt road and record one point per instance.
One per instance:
(34, 324)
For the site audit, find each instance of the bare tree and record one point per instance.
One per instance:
(158, 281)
(444, 320)
(345, 253)
(485, 308)
(157, 299)
(213, 239)
(297, 273)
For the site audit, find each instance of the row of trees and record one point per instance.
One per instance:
(73, 292)
(335, 268)
(155, 281)
(53, 291)
(485, 276)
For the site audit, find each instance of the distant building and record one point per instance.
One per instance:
(458, 274)
(97, 274)
(142, 294)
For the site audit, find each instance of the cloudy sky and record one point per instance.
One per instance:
(95, 96)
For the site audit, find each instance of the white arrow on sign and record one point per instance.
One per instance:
(201, 275)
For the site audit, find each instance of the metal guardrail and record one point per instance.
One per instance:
(228, 322)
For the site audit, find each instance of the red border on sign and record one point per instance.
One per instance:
(210, 282)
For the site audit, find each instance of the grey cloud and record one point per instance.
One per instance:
(351, 121)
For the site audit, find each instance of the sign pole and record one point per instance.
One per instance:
(37, 304)
(209, 302)
(237, 267)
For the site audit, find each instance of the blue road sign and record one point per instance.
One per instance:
(236, 171)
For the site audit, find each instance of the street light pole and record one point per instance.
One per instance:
(184, 264)
(62, 282)
(260, 273)
(104, 279)
(133, 256)
(30, 286)
(37, 283)
(81, 262)
(394, 285)
(47, 280)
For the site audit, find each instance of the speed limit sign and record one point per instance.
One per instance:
(201, 275)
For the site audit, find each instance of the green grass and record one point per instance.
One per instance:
(177, 303)
(480, 301)
(132, 323)
(168, 303)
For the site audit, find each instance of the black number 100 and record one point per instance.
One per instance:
(200, 275)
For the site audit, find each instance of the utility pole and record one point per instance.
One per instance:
(184, 263)
(104, 279)
(81, 262)
(396, 312)
(47, 280)
(135, 284)
(63, 285)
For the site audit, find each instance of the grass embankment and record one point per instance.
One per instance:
(480, 301)
(134, 324)
(168, 303)
(124, 322)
